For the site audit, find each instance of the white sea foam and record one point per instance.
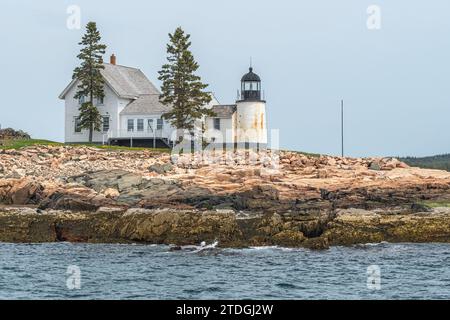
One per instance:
(264, 248)
(273, 248)
(204, 246)
(201, 247)
(375, 244)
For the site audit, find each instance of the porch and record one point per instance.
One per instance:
(134, 138)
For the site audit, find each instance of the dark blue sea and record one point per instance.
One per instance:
(113, 271)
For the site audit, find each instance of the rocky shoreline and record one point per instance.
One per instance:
(82, 194)
(229, 229)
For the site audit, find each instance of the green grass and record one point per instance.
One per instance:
(18, 144)
(315, 155)
(436, 203)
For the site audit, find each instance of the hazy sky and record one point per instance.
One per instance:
(309, 54)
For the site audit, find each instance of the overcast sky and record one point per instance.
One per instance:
(309, 54)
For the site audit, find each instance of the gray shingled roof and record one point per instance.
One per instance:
(145, 104)
(224, 110)
(128, 82)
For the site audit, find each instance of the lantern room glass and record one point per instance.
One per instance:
(251, 86)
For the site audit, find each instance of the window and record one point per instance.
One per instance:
(140, 124)
(81, 100)
(100, 101)
(105, 124)
(159, 124)
(251, 86)
(77, 127)
(130, 124)
(150, 125)
(216, 123)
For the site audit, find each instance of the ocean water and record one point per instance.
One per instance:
(112, 271)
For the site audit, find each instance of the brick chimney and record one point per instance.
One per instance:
(112, 60)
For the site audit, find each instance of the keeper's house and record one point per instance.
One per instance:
(131, 112)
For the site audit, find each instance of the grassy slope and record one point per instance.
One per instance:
(17, 144)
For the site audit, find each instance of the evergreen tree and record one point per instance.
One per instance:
(90, 79)
(182, 89)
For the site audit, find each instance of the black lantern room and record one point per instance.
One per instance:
(251, 86)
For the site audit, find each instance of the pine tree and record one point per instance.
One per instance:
(182, 89)
(90, 79)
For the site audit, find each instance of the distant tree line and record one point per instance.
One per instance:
(441, 162)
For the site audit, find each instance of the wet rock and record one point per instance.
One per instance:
(289, 238)
(186, 227)
(320, 243)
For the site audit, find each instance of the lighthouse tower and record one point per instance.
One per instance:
(251, 127)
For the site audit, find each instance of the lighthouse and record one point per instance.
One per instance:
(251, 126)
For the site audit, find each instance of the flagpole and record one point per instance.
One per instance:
(342, 128)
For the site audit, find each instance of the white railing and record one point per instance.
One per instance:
(126, 134)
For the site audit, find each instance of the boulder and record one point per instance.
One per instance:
(161, 168)
(76, 203)
(25, 192)
(375, 165)
(111, 193)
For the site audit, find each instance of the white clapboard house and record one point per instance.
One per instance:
(131, 112)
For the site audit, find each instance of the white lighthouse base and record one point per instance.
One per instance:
(251, 126)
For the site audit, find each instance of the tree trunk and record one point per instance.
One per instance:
(91, 129)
